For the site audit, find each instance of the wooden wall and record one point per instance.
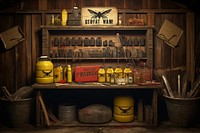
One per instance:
(18, 64)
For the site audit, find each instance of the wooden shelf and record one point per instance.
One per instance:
(63, 58)
(95, 28)
(93, 85)
(108, 124)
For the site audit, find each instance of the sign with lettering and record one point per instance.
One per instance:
(94, 16)
(86, 73)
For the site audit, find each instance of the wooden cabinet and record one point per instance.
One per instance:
(102, 45)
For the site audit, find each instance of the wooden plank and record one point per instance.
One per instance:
(44, 110)
(155, 106)
(190, 45)
(150, 19)
(42, 4)
(28, 42)
(179, 52)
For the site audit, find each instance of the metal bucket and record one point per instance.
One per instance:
(67, 113)
(182, 112)
(16, 113)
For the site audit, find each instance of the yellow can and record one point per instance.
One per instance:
(123, 109)
(128, 75)
(44, 70)
(57, 74)
(101, 75)
(109, 73)
(118, 73)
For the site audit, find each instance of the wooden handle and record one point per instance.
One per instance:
(168, 86)
(184, 85)
(179, 86)
(44, 110)
(194, 87)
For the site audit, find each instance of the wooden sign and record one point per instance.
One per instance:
(170, 33)
(94, 16)
(12, 37)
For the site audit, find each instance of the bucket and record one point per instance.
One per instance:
(67, 113)
(16, 113)
(123, 109)
(182, 112)
(44, 70)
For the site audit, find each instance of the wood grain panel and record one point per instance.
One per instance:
(35, 48)
(115, 3)
(158, 43)
(27, 29)
(8, 57)
(147, 4)
(42, 4)
(180, 50)
(190, 33)
(51, 4)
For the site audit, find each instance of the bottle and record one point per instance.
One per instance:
(58, 73)
(64, 17)
(75, 11)
(101, 75)
(128, 75)
(69, 74)
(109, 73)
(137, 75)
(65, 73)
(146, 73)
(118, 74)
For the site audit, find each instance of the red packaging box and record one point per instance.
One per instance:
(86, 73)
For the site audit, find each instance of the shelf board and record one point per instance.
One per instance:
(50, 27)
(93, 85)
(108, 124)
(63, 58)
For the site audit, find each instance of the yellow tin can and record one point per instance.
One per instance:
(123, 109)
(101, 75)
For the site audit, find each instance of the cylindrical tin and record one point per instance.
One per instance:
(123, 109)
(67, 113)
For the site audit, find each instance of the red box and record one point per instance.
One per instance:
(86, 73)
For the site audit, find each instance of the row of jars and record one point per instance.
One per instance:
(117, 75)
(124, 76)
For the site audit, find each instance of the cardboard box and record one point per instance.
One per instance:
(86, 73)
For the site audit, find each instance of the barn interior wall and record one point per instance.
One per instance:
(18, 64)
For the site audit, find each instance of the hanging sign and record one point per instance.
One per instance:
(170, 33)
(93, 16)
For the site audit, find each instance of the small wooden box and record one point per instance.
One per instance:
(12, 37)
(86, 73)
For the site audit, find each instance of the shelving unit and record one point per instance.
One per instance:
(93, 87)
(50, 32)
